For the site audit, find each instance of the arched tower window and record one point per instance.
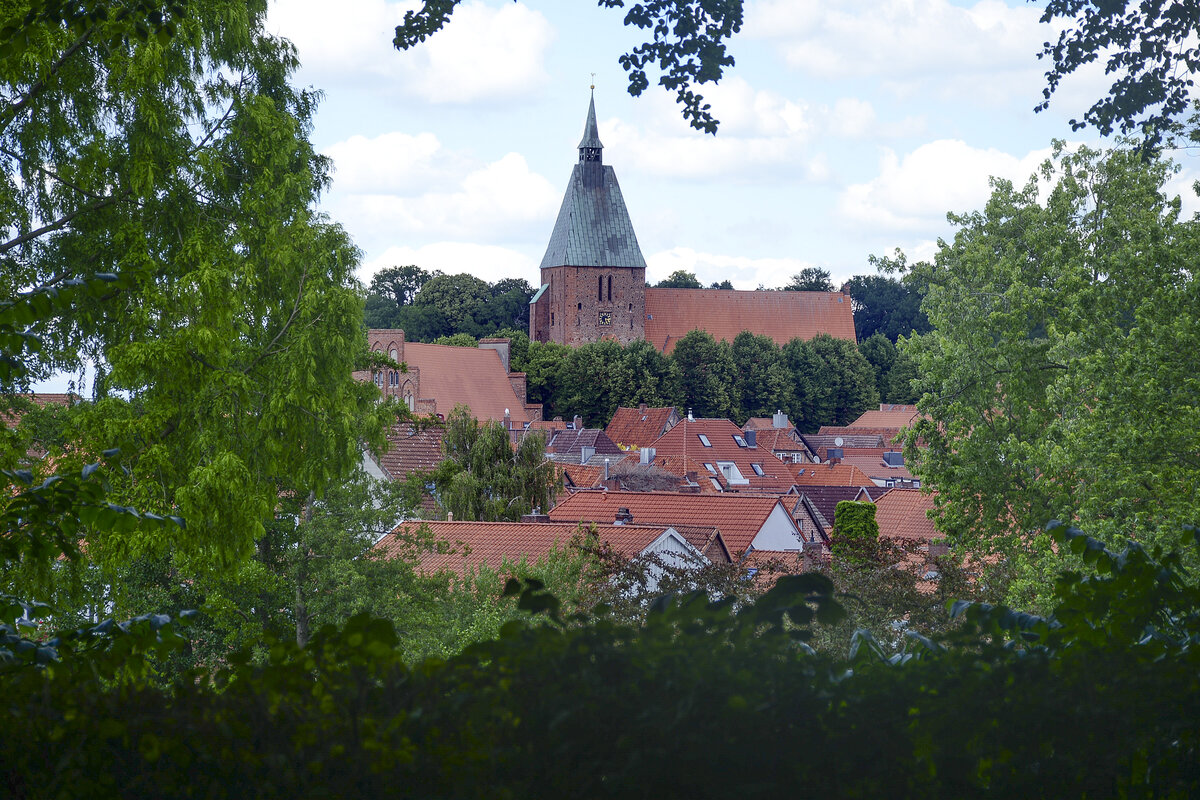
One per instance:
(610, 288)
(600, 288)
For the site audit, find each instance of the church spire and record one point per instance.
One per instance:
(590, 147)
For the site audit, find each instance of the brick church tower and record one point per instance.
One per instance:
(593, 283)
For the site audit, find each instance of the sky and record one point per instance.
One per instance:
(847, 129)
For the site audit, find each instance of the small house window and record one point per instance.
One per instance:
(741, 440)
(710, 468)
(704, 440)
(757, 469)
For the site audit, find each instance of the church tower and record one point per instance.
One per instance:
(593, 282)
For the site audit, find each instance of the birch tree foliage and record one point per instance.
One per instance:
(1060, 377)
(164, 145)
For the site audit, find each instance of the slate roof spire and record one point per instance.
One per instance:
(590, 147)
(593, 227)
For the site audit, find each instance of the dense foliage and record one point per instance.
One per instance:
(1100, 699)
(163, 150)
(1061, 370)
(1150, 48)
(428, 306)
(485, 476)
(824, 381)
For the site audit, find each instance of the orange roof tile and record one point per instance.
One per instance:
(887, 417)
(688, 439)
(473, 377)
(871, 462)
(890, 435)
(901, 514)
(472, 544)
(759, 424)
(779, 440)
(634, 427)
(783, 316)
(739, 517)
(829, 475)
(411, 448)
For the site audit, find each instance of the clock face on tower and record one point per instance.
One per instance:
(606, 318)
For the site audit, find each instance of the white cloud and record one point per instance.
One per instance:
(763, 135)
(916, 191)
(392, 162)
(985, 52)
(483, 53)
(409, 185)
(488, 262)
(885, 37)
(742, 271)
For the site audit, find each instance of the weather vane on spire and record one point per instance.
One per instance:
(593, 86)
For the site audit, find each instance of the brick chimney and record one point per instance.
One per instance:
(623, 517)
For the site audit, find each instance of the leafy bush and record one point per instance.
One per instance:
(1100, 699)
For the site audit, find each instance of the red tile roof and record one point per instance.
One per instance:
(829, 475)
(685, 440)
(779, 440)
(411, 448)
(870, 461)
(901, 514)
(567, 442)
(739, 517)
(759, 424)
(708, 540)
(783, 316)
(467, 375)
(632, 427)
(887, 417)
(890, 435)
(472, 544)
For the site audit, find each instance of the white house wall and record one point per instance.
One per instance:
(779, 532)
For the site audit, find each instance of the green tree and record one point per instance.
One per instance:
(1150, 48)
(804, 371)
(707, 375)
(591, 382)
(399, 284)
(844, 384)
(1060, 375)
(886, 305)
(483, 477)
(810, 279)
(166, 145)
(763, 383)
(508, 306)
(881, 353)
(647, 376)
(459, 298)
(687, 45)
(458, 340)
(725, 284)
(680, 279)
(543, 366)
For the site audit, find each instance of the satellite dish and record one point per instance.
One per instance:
(838, 442)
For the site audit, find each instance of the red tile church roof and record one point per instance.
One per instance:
(783, 316)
